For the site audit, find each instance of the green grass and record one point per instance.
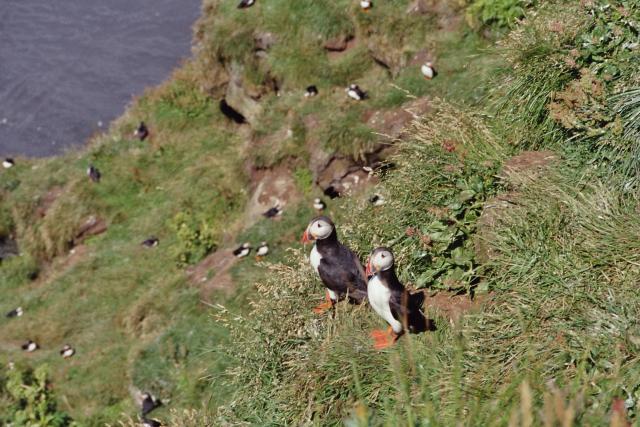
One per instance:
(562, 302)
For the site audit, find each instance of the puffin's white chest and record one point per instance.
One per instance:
(262, 250)
(427, 71)
(315, 258)
(243, 253)
(354, 94)
(379, 295)
(379, 298)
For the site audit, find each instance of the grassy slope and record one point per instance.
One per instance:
(556, 343)
(557, 340)
(130, 312)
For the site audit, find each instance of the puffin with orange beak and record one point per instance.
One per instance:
(389, 298)
(338, 267)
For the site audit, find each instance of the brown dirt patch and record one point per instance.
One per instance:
(92, 226)
(342, 46)
(527, 166)
(453, 306)
(46, 201)
(395, 122)
(213, 273)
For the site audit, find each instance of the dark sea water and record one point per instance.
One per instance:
(69, 67)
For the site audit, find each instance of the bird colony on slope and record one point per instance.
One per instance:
(338, 267)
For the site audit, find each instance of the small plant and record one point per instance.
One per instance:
(196, 237)
(448, 256)
(32, 402)
(498, 13)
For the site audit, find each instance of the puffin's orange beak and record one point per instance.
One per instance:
(367, 271)
(305, 237)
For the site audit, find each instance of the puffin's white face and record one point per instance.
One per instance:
(381, 260)
(246, 245)
(319, 228)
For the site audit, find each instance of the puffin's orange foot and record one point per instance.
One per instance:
(327, 305)
(384, 339)
(378, 333)
(321, 308)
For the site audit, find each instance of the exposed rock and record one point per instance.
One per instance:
(393, 123)
(263, 40)
(8, 248)
(343, 175)
(338, 43)
(270, 187)
(92, 226)
(391, 58)
(238, 99)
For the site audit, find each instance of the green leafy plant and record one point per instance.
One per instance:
(196, 237)
(448, 258)
(32, 402)
(498, 13)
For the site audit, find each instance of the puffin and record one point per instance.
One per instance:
(390, 300)
(354, 92)
(8, 163)
(377, 200)
(16, 312)
(151, 242)
(338, 267)
(245, 4)
(319, 205)
(262, 250)
(30, 346)
(428, 71)
(311, 91)
(142, 132)
(150, 422)
(273, 212)
(93, 173)
(67, 351)
(149, 403)
(331, 192)
(365, 5)
(243, 250)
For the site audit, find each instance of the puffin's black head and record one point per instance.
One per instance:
(319, 228)
(381, 259)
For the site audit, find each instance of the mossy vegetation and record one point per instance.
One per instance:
(542, 256)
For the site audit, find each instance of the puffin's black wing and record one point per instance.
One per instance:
(149, 404)
(407, 309)
(342, 272)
